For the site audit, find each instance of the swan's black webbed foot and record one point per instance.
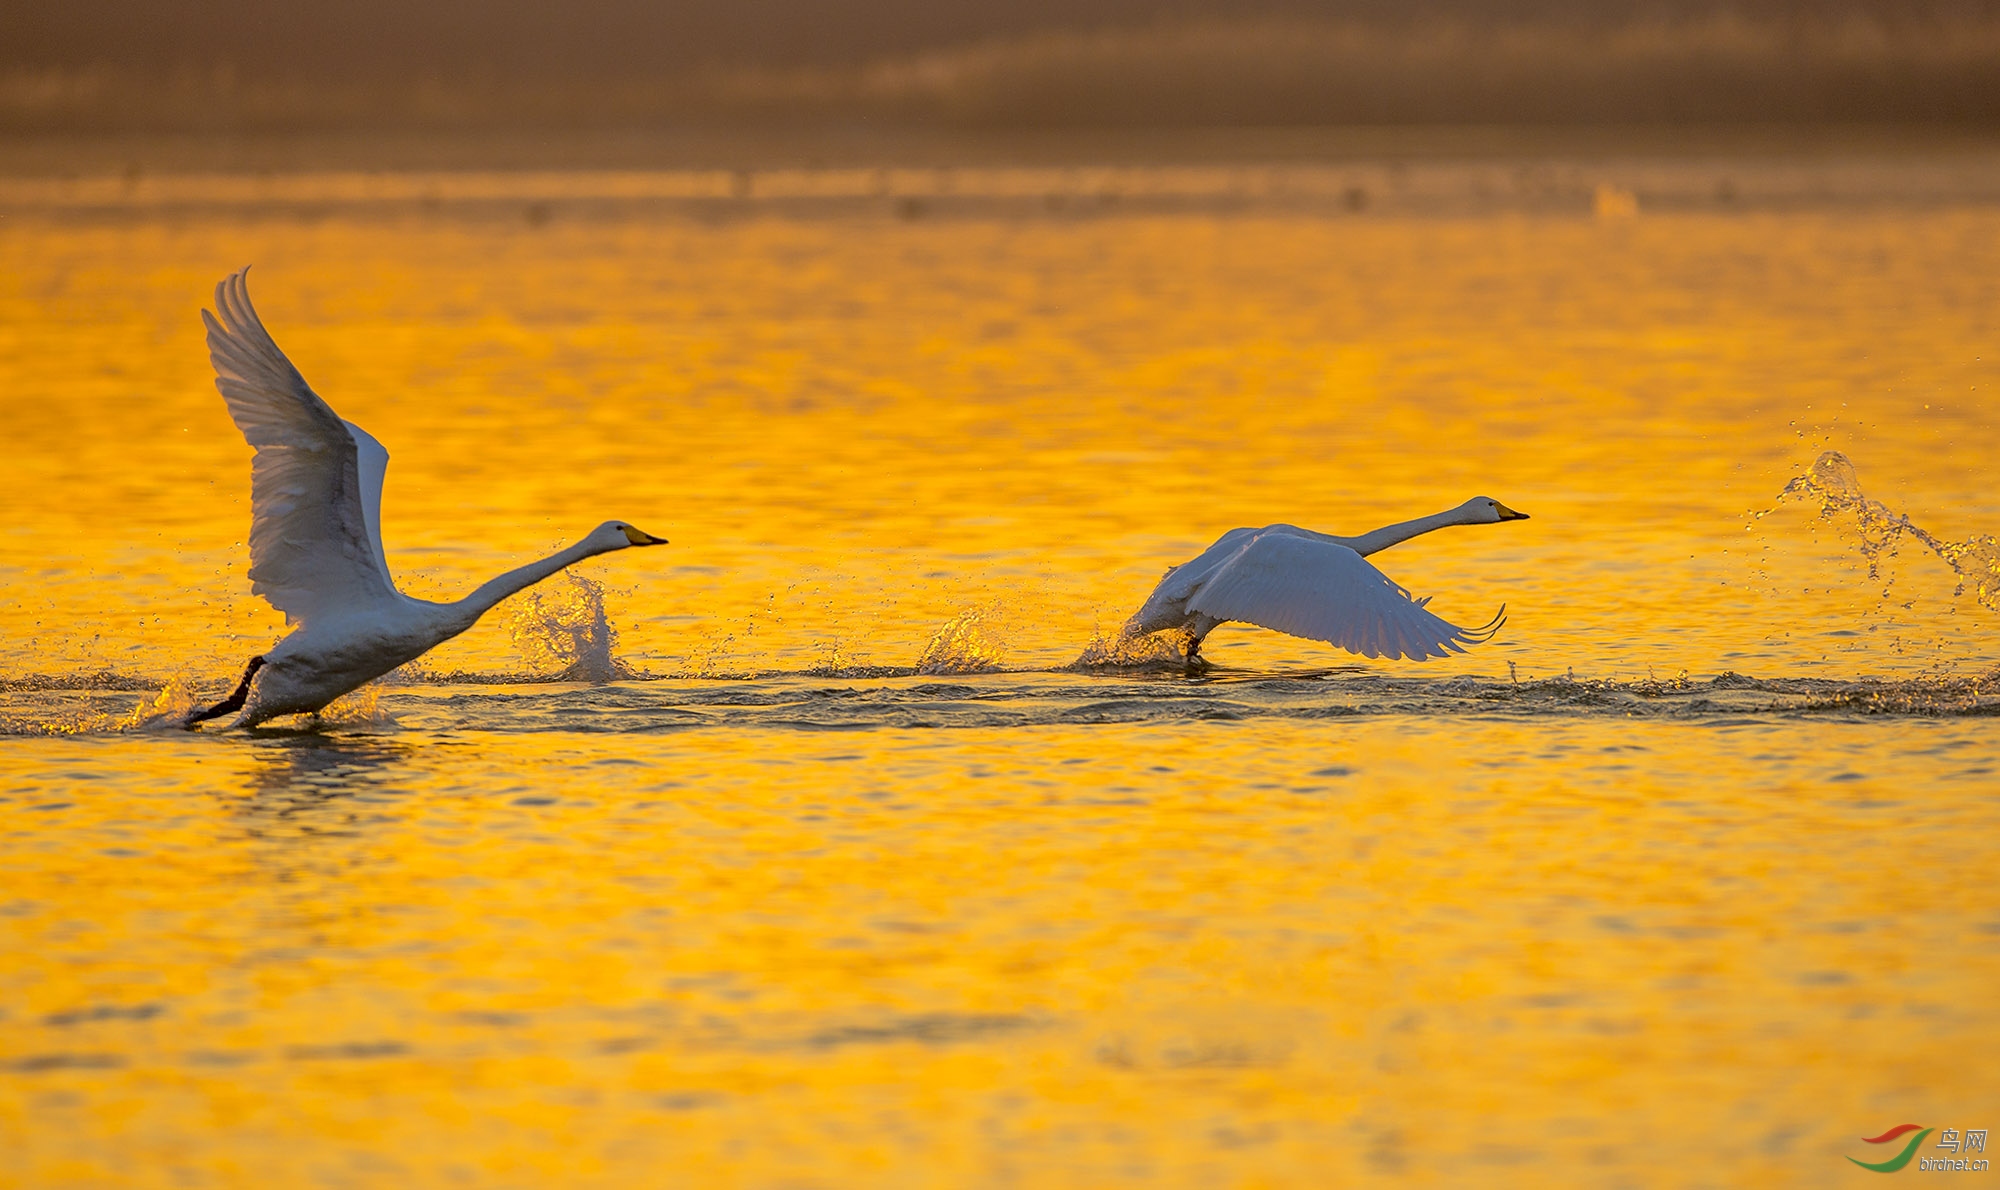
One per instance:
(1197, 665)
(234, 702)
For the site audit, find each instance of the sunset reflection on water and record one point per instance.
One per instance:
(1694, 857)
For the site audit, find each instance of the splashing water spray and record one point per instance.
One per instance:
(1115, 650)
(1832, 489)
(968, 643)
(563, 626)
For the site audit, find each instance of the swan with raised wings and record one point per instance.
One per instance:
(1316, 586)
(316, 534)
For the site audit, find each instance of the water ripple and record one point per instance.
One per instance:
(810, 702)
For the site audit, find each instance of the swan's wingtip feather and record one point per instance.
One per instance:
(1485, 632)
(232, 294)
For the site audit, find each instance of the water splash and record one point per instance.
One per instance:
(55, 706)
(715, 648)
(169, 708)
(709, 657)
(816, 625)
(968, 643)
(357, 708)
(1160, 650)
(51, 709)
(1832, 489)
(562, 626)
(97, 679)
(832, 659)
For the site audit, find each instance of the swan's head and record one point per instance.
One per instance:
(617, 535)
(1485, 510)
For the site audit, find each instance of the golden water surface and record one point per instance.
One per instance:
(1684, 879)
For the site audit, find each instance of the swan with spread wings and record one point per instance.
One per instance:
(316, 534)
(1316, 586)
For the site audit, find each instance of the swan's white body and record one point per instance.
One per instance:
(1314, 585)
(316, 534)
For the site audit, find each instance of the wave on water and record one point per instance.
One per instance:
(905, 698)
(1832, 489)
(101, 703)
(1042, 698)
(89, 703)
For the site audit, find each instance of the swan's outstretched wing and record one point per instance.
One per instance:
(1324, 591)
(315, 541)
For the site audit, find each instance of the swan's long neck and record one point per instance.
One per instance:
(520, 578)
(1388, 535)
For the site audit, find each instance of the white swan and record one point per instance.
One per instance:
(1316, 586)
(316, 534)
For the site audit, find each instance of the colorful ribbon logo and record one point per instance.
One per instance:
(1901, 1159)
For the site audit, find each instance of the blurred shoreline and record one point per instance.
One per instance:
(72, 154)
(1425, 112)
(1605, 172)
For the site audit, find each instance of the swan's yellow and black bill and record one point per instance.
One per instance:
(1508, 514)
(641, 537)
